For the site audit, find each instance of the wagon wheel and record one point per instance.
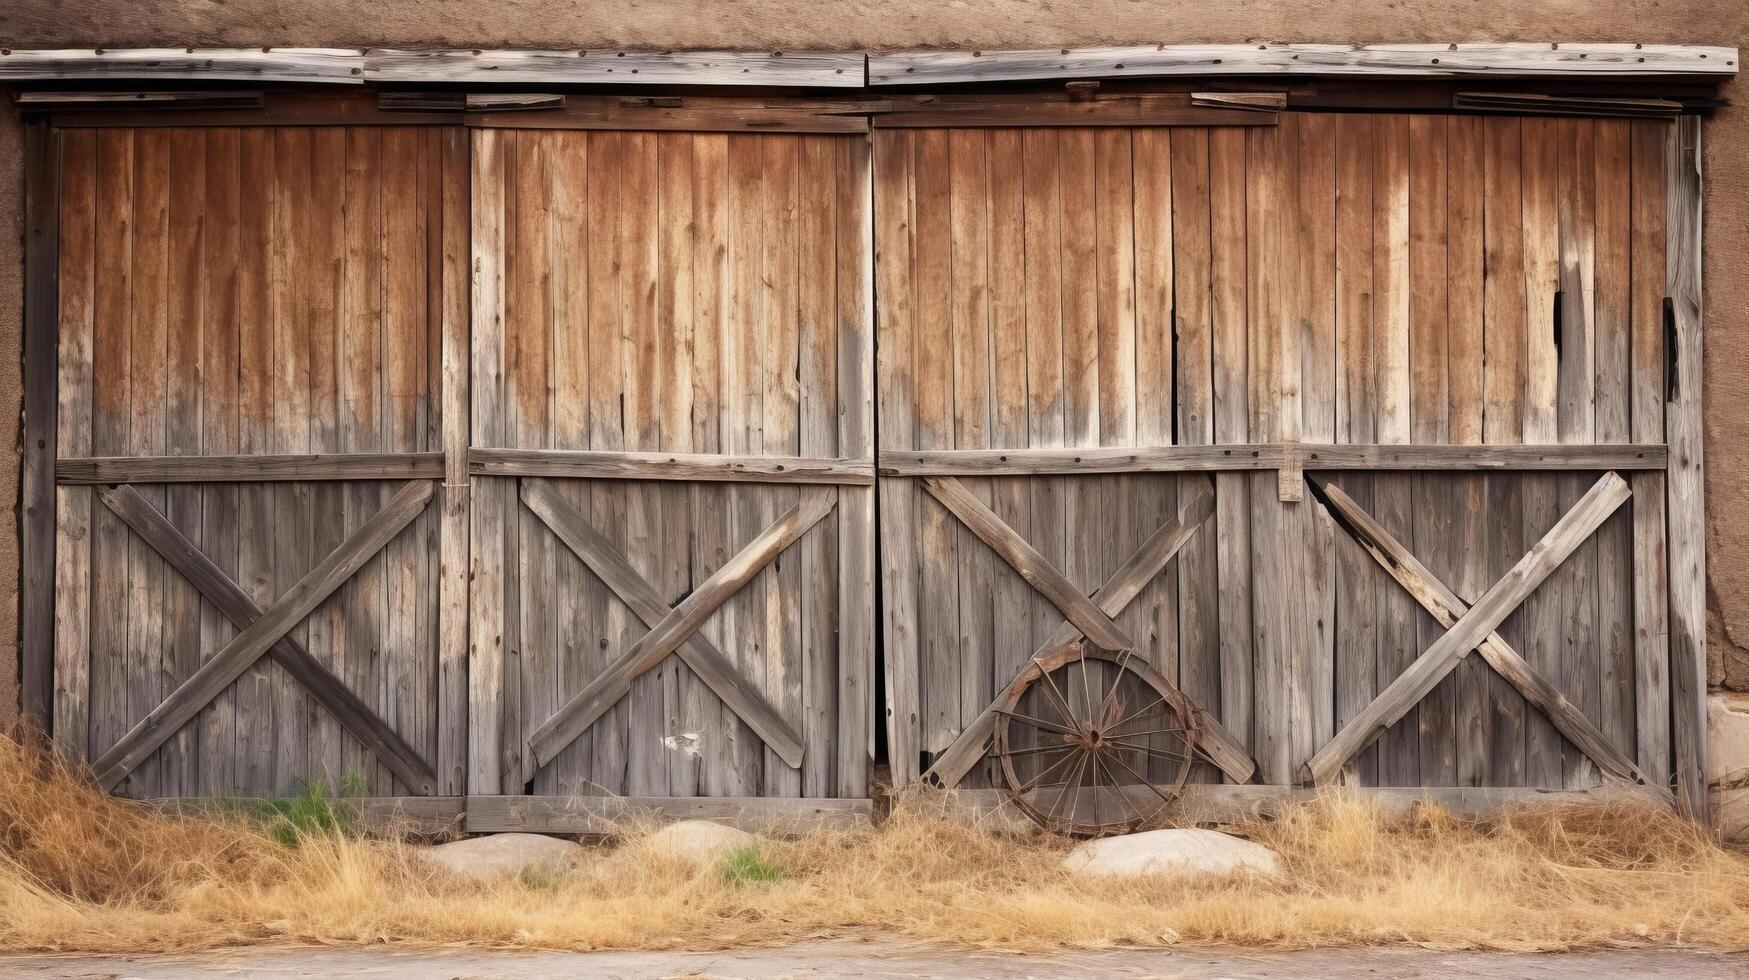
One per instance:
(1093, 742)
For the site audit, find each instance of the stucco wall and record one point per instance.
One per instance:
(871, 24)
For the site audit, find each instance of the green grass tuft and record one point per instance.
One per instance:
(314, 813)
(748, 866)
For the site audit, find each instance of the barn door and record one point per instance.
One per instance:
(246, 572)
(1372, 362)
(672, 500)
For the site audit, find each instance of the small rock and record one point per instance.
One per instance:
(1172, 852)
(699, 841)
(501, 855)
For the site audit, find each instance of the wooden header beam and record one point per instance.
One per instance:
(854, 69)
(1380, 60)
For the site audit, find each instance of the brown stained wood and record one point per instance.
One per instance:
(1130, 111)
(1026, 560)
(224, 666)
(673, 628)
(1445, 606)
(454, 369)
(75, 382)
(42, 165)
(229, 599)
(709, 467)
(1484, 616)
(858, 557)
(1686, 479)
(710, 664)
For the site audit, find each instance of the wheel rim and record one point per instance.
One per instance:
(1094, 742)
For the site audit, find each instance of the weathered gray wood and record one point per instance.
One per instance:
(454, 543)
(1031, 565)
(229, 663)
(811, 69)
(1484, 617)
(1076, 460)
(710, 664)
(1686, 480)
(234, 604)
(1447, 608)
(858, 559)
(297, 467)
(36, 633)
(672, 629)
(343, 66)
(613, 814)
(713, 467)
(1483, 457)
(1214, 805)
(388, 815)
(952, 764)
(1382, 60)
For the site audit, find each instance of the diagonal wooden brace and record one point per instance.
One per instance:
(1124, 585)
(1032, 566)
(225, 666)
(1470, 629)
(234, 604)
(581, 711)
(1446, 607)
(710, 664)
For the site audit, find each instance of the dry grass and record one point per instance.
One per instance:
(82, 871)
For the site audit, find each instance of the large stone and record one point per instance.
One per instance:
(1727, 724)
(503, 855)
(699, 841)
(1172, 852)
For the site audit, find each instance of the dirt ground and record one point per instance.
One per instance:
(884, 959)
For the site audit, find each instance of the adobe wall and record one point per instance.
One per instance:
(876, 24)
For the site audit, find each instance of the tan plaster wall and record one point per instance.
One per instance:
(875, 24)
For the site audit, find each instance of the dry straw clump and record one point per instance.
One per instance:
(80, 870)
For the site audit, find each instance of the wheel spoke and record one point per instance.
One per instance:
(1143, 779)
(1041, 724)
(1076, 782)
(1126, 719)
(1029, 750)
(1039, 779)
(1106, 703)
(1062, 701)
(1149, 749)
(1086, 693)
(1122, 797)
(1152, 731)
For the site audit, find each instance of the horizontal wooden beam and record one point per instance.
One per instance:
(381, 814)
(1263, 456)
(1028, 462)
(1382, 60)
(332, 66)
(1502, 457)
(249, 469)
(803, 69)
(694, 467)
(679, 114)
(613, 814)
(1227, 803)
(1164, 109)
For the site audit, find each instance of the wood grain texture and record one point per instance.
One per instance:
(692, 467)
(606, 67)
(1494, 606)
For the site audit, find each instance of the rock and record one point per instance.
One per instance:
(699, 841)
(1727, 726)
(1172, 852)
(502, 855)
(1731, 815)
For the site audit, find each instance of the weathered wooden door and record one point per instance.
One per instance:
(1283, 334)
(246, 576)
(672, 511)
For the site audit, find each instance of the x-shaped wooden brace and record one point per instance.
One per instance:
(265, 633)
(1091, 617)
(670, 629)
(1473, 628)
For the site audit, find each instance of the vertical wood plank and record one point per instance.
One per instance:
(487, 664)
(1228, 284)
(817, 298)
(1399, 748)
(1357, 654)
(857, 559)
(325, 266)
(256, 723)
(893, 284)
(453, 716)
(1651, 580)
(1466, 304)
(1686, 478)
(42, 179)
(74, 253)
